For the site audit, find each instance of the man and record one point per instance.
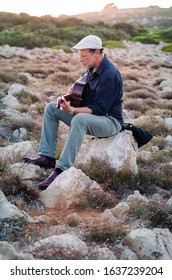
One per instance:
(99, 113)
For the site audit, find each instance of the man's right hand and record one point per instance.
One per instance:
(58, 101)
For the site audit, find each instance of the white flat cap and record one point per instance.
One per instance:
(89, 42)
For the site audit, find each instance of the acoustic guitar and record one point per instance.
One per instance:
(75, 96)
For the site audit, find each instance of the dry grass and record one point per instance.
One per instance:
(142, 93)
(105, 232)
(136, 105)
(10, 76)
(167, 95)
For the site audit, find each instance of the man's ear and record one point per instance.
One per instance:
(97, 52)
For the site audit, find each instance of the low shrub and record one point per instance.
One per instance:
(63, 79)
(167, 48)
(135, 105)
(158, 214)
(110, 44)
(12, 229)
(105, 232)
(167, 95)
(26, 98)
(146, 39)
(7, 76)
(142, 93)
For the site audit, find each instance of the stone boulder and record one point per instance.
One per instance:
(60, 247)
(17, 89)
(7, 51)
(11, 118)
(128, 254)
(102, 254)
(10, 101)
(8, 252)
(119, 151)
(168, 123)
(7, 209)
(70, 189)
(18, 150)
(26, 171)
(150, 244)
(13, 115)
(122, 209)
(169, 205)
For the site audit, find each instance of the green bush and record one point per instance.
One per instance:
(167, 48)
(129, 28)
(167, 36)
(145, 39)
(113, 44)
(28, 40)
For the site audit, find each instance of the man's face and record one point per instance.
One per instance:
(87, 58)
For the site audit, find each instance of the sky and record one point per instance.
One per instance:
(72, 7)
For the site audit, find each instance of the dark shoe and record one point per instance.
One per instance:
(43, 185)
(42, 161)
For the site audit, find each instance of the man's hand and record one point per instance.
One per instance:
(57, 102)
(62, 104)
(66, 106)
(60, 99)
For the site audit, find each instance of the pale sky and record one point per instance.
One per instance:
(72, 7)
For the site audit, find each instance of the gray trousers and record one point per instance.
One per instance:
(80, 125)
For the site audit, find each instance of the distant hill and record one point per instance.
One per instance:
(152, 16)
(150, 25)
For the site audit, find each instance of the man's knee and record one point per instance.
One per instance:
(79, 119)
(49, 107)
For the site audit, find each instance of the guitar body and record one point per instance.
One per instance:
(75, 96)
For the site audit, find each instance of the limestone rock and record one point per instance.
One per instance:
(150, 244)
(168, 123)
(122, 208)
(60, 247)
(10, 101)
(11, 118)
(7, 209)
(7, 51)
(16, 89)
(169, 205)
(128, 254)
(102, 254)
(169, 140)
(70, 189)
(18, 150)
(119, 151)
(20, 134)
(26, 171)
(8, 252)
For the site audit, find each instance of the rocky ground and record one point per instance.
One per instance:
(80, 216)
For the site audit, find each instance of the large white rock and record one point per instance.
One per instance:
(26, 171)
(16, 89)
(10, 101)
(8, 252)
(7, 209)
(121, 209)
(64, 246)
(71, 188)
(168, 123)
(150, 244)
(18, 150)
(119, 151)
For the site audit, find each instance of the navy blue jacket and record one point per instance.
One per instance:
(103, 91)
